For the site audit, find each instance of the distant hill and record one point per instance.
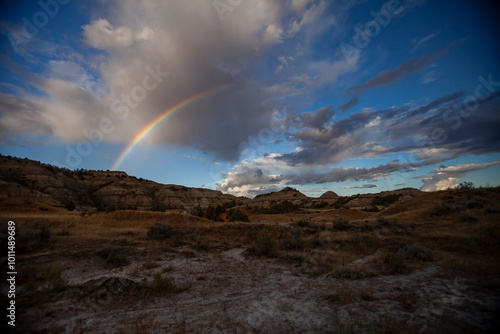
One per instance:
(84, 190)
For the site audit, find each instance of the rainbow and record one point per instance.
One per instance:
(144, 132)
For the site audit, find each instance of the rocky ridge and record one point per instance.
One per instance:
(85, 190)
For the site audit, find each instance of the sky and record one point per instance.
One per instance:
(251, 96)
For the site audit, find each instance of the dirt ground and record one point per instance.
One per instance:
(230, 292)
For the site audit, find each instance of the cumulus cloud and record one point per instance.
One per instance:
(375, 133)
(447, 177)
(186, 39)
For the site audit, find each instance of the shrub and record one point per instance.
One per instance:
(475, 203)
(319, 205)
(36, 233)
(342, 201)
(55, 280)
(394, 263)
(440, 210)
(63, 233)
(294, 242)
(70, 206)
(383, 221)
(162, 284)
(113, 256)
(372, 209)
(165, 284)
(211, 213)
(279, 208)
(304, 224)
(32, 275)
(196, 211)
(160, 231)
(341, 225)
(386, 200)
(263, 243)
(237, 215)
(416, 253)
(466, 186)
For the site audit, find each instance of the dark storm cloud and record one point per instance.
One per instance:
(443, 126)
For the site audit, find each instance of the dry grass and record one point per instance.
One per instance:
(466, 238)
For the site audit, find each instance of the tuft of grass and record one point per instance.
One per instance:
(165, 285)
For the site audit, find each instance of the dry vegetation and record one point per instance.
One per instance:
(350, 271)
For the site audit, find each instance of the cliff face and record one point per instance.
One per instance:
(98, 189)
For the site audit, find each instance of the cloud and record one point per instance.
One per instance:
(185, 39)
(395, 74)
(418, 43)
(364, 186)
(317, 120)
(430, 133)
(349, 104)
(447, 177)
(103, 35)
(442, 127)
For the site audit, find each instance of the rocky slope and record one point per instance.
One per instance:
(108, 190)
(90, 190)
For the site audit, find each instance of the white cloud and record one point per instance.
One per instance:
(102, 35)
(273, 33)
(448, 177)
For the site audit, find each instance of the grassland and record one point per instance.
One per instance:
(428, 264)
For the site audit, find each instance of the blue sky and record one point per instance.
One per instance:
(350, 96)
